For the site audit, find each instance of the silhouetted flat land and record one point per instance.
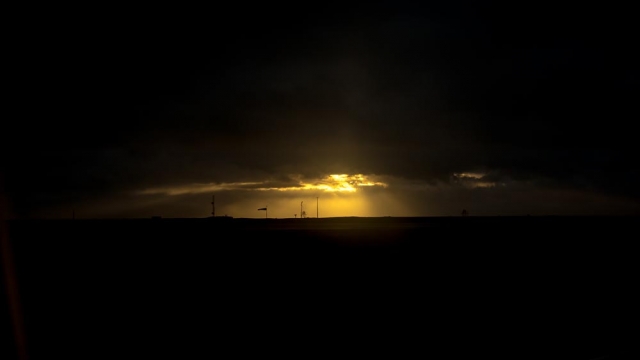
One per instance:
(512, 287)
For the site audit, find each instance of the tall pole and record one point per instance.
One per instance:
(301, 209)
(317, 208)
(213, 206)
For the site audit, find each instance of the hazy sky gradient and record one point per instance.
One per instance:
(114, 105)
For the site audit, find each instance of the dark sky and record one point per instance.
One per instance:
(501, 109)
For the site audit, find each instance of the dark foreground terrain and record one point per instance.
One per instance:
(456, 287)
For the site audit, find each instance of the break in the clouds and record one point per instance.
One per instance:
(474, 180)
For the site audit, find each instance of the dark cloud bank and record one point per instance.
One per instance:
(540, 98)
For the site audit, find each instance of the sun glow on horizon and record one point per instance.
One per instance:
(337, 183)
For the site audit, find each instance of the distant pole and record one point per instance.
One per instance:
(213, 206)
(266, 212)
(317, 208)
(301, 214)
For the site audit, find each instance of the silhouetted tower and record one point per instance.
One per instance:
(301, 212)
(213, 206)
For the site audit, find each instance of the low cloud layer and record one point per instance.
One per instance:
(330, 183)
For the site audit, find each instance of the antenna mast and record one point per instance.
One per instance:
(213, 206)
